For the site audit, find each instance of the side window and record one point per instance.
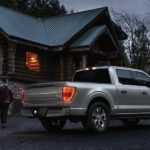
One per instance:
(125, 77)
(141, 77)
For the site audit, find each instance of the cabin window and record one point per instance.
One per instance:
(33, 61)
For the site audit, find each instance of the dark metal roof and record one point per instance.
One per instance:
(89, 37)
(61, 29)
(22, 26)
(55, 31)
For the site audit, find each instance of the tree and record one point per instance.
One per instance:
(137, 46)
(20, 5)
(37, 8)
(46, 8)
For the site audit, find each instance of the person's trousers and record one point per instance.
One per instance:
(3, 112)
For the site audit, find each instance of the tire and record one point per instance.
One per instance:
(53, 124)
(97, 119)
(130, 122)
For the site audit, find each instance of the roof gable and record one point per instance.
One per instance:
(86, 39)
(65, 27)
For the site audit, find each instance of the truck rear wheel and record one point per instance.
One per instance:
(97, 118)
(53, 124)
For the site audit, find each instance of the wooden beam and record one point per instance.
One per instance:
(113, 54)
(11, 57)
(61, 68)
(84, 61)
(1, 60)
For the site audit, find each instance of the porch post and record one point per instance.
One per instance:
(1, 60)
(61, 68)
(11, 57)
(84, 61)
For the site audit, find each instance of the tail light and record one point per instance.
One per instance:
(68, 93)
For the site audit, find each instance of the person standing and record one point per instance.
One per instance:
(6, 98)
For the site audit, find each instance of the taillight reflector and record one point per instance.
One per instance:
(68, 93)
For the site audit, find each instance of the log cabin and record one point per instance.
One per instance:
(34, 50)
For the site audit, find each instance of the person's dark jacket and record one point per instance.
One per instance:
(6, 94)
(1, 93)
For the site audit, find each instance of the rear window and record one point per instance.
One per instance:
(96, 76)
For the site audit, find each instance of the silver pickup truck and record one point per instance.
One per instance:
(94, 96)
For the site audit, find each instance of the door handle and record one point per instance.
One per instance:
(144, 93)
(123, 92)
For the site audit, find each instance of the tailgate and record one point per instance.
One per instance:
(46, 94)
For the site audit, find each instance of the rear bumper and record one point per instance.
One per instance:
(52, 111)
(45, 112)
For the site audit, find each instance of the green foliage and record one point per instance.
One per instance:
(36, 8)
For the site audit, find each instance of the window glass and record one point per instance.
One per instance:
(125, 77)
(32, 61)
(141, 76)
(96, 76)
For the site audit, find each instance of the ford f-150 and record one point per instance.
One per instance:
(94, 96)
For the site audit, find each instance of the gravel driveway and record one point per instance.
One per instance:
(26, 134)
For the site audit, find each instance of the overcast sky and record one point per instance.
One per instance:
(132, 6)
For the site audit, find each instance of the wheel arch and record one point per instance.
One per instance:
(99, 99)
(88, 122)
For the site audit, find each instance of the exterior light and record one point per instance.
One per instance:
(35, 112)
(93, 68)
